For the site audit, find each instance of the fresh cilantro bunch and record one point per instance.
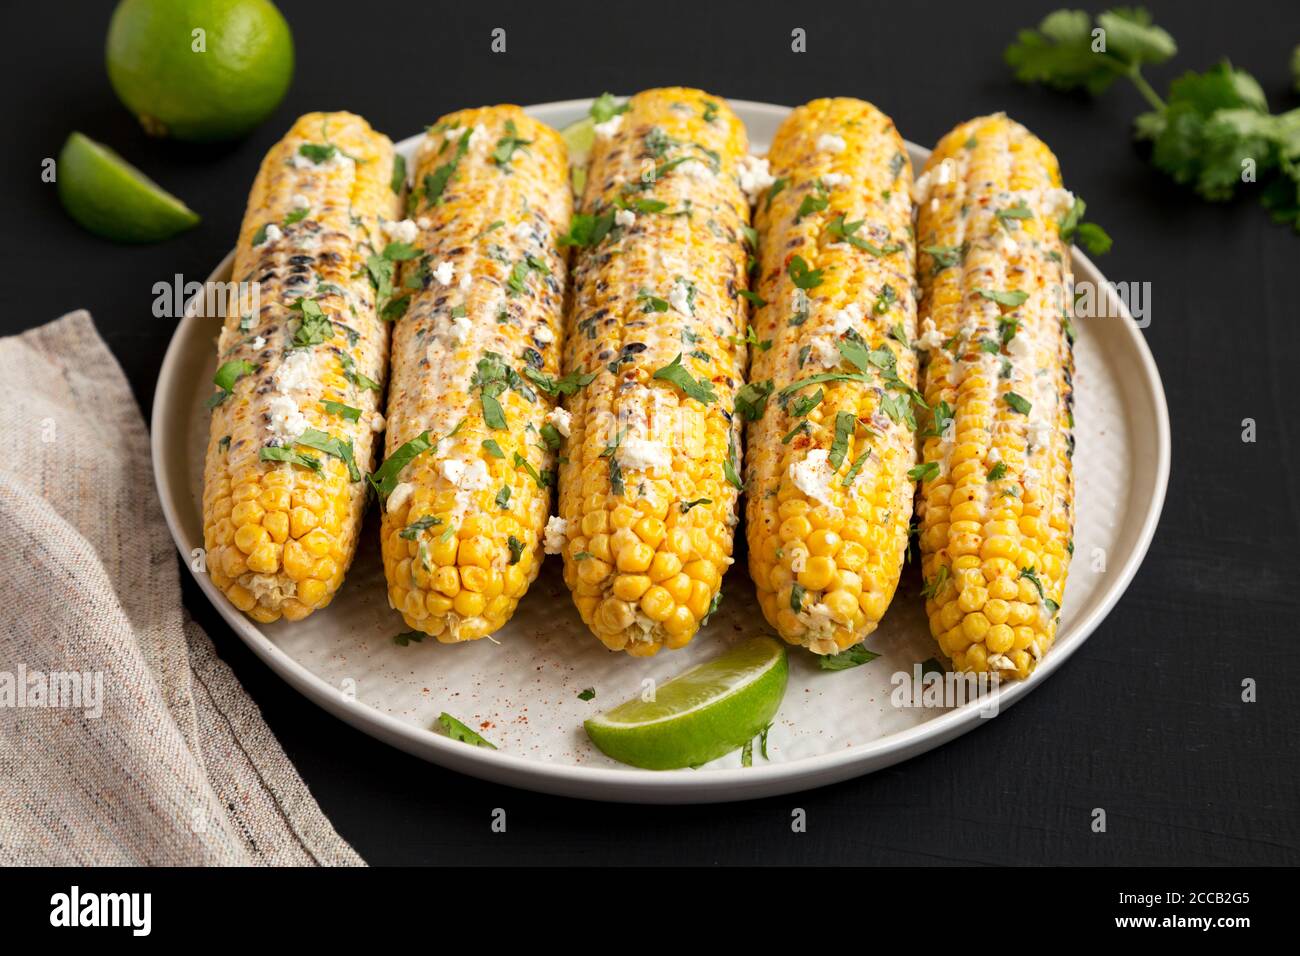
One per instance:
(1211, 127)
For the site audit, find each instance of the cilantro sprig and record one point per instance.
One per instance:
(1205, 133)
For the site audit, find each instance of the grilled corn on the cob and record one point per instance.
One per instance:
(829, 493)
(996, 501)
(295, 414)
(471, 428)
(648, 491)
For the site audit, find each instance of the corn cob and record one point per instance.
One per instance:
(649, 488)
(829, 494)
(475, 357)
(996, 503)
(295, 416)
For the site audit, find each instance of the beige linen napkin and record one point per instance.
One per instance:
(168, 761)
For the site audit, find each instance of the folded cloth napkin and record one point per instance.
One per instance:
(124, 739)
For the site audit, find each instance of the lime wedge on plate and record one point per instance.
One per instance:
(113, 199)
(579, 137)
(699, 715)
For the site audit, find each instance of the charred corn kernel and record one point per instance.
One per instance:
(305, 238)
(645, 475)
(828, 457)
(995, 521)
(479, 335)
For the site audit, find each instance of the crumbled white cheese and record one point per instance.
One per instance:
(813, 475)
(824, 352)
(296, 372)
(679, 298)
(930, 337)
(696, 169)
(1021, 346)
(272, 233)
(1058, 202)
(287, 420)
(937, 176)
(755, 176)
(444, 271)
(424, 222)
(300, 161)
(609, 127)
(847, 319)
(832, 180)
(830, 143)
(1042, 411)
(402, 230)
(258, 343)
(377, 421)
(476, 136)
(624, 218)
(471, 475)
(524, 230)
(556, 530)
(1001, 662)
(561, 419)
(461, 326)
(400, 495)
(299, 201)
(642, 454)
(544, 335)
(466, 281)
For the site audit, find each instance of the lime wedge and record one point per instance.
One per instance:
(579, 137)
(699, 715)
(113, 199)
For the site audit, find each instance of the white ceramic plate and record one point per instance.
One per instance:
(522, 693)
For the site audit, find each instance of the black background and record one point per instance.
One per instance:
(1145, 721)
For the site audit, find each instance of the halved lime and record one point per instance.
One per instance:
(701, 714)
(579, 137)
(113, 199)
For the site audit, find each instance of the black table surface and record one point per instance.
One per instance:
(1146, 720)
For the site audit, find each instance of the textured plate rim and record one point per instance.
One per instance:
(648, 786)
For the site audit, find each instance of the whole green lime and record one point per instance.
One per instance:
(199, 70)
